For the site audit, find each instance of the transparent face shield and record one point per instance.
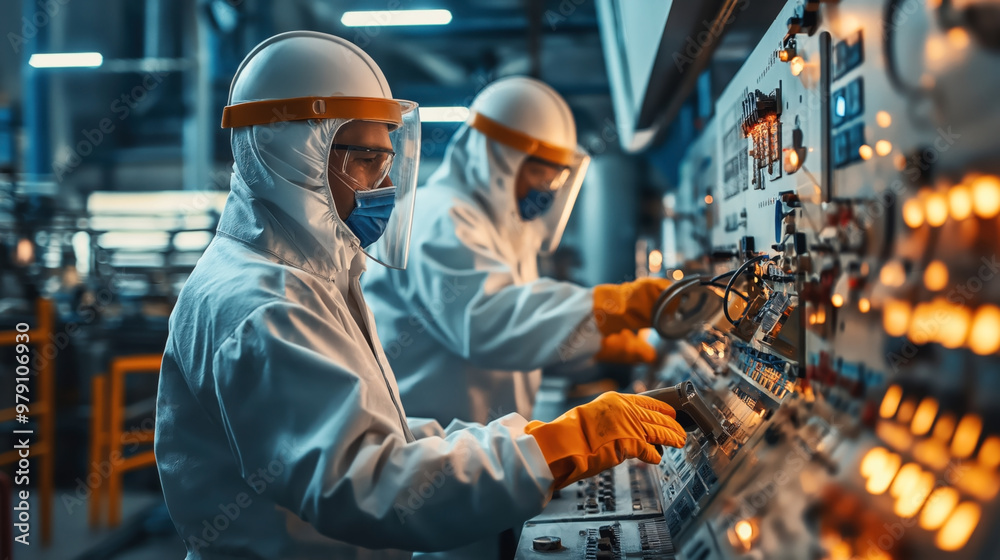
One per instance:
(382, 172)
(554, 191)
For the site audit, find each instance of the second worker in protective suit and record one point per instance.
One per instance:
(469, 324)
(279, 429)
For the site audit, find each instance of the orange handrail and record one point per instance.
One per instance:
(107, 433)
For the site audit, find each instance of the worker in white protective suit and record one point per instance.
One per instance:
(469, 324)
(279, 431)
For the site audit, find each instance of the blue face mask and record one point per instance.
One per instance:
(371, 213)
(535, 204)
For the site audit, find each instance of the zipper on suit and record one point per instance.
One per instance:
(356, 288)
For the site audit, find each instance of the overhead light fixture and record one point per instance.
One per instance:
(443, 114)
(66, 60)
(379, 18)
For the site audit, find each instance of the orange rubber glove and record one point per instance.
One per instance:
(604, 432)
(625, 347)
(626, 306)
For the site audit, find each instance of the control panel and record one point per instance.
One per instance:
(839, 311)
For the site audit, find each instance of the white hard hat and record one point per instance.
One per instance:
(307, 64)
(531, 108)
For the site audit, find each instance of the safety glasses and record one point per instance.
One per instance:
(367, 167)
(544, 175)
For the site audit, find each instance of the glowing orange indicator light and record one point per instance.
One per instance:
(892, 274)
(960, 202)
(792, 161)
(984, 337)
(883, 147)
(954, 326)
(896, 317)
(879, 481)
(966, 436)
(959, 527)
(986, 196)
(924, 417)
(797, 65)
(958, 37)
(884, 119)
(909, 499)
(936, 276)
(864, 305)
(905, 480)
(945, 427)
(865, 151)
(989, 453)
(744, 530)
(936, 209)
(913, 213)
(935, 49)
(938, 507)
(873, 461)
(655, 260)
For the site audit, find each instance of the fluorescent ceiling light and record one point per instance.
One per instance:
(162, 203)
(443, 114)
(66, 60)
(396, 17)
(192, 240)
(150, 240)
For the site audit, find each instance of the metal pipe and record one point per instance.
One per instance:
(35, 103)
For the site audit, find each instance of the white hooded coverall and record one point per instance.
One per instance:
(279, 431)
(468, 325)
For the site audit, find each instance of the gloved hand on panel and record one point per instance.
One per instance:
(629, 305)
(601, 434)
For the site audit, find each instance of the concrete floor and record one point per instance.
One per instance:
(73, 539)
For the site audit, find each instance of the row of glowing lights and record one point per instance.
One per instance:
(939, 320)
(950, 325)
(979, 195)
(912, 487)
(920, 418)
(910, 431)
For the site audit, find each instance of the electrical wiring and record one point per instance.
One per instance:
(729, 287)
(723, 287)
(723, 275)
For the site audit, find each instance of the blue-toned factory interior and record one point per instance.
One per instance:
(499, 279)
